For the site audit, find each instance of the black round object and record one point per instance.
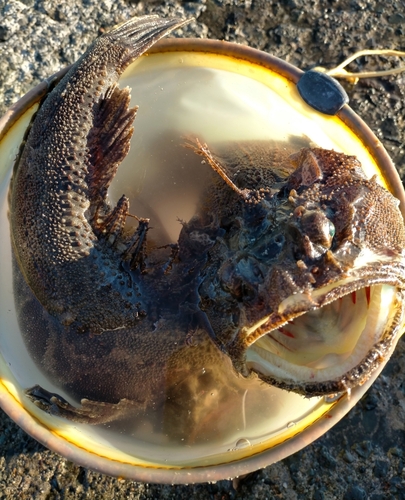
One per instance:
(322, 92)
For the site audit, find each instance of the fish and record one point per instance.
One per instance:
(291, 270)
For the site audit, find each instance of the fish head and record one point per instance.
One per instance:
(312, 273)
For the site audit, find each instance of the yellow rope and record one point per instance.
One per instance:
(340, 72)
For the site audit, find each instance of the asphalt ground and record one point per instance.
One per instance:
(362, 457)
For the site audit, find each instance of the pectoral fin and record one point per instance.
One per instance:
(90, 412)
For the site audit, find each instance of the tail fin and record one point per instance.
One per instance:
(140, 33)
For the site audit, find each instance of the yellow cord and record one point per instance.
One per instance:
(340, 72)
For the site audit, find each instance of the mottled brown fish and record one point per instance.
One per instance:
(292, 266)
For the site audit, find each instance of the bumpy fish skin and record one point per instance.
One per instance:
(61, 225)
(76, 271)
(111, 324)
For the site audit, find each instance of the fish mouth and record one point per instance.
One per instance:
(331, 347)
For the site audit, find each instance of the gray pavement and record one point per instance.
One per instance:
(361, 457)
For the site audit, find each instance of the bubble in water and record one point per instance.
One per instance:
(331, 398)
(242, 443)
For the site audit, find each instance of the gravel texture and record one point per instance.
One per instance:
(363, 456)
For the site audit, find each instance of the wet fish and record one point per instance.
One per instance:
(292, 267)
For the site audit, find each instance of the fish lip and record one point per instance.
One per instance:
(291, 308)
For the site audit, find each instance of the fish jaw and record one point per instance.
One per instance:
(328, 342)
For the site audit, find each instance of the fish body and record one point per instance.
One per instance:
(278, 237)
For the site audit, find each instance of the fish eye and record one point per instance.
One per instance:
(319, 229)
(331, 228)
